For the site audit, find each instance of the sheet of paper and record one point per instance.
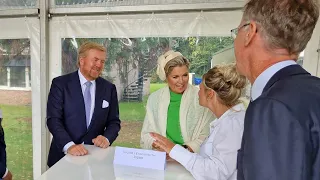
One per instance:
(140, 158)
(137, 173)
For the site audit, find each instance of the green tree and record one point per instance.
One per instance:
(12, 49)
(142, 53)
(202, 50)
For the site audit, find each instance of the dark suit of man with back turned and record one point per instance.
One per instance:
(281, 139)
(5, 174)
(82, 107)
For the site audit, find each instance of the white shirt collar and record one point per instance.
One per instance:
(266, 75)
(235, 108)
(83, 79)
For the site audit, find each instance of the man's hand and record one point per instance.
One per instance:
(77, 150)
(8, 176)
(101, 141)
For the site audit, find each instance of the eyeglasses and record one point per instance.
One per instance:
(234, 32)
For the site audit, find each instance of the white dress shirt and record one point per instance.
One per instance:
(83, 80)
(265, 76)
(218, 153)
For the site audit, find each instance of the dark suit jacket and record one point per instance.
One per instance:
(282, 129)
(66, 118)
(3, 156)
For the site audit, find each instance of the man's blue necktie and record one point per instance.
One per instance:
(87, 101)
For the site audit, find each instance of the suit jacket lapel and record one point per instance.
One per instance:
(98, 101)
(284, 73)
(75, 88)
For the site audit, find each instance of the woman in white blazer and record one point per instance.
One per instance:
(220, 91)
(174, 111)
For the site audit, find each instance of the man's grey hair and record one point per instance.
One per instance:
(283, 24)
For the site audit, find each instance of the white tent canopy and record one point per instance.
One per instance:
(110, 19)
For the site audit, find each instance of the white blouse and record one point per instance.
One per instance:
(218, 153)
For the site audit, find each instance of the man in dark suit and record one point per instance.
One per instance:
(4, 172)
(281, 139)
(82, 107)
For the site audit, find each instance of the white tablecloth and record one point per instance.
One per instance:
(98, 165)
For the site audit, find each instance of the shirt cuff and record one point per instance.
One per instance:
(66, 147)
(108, 141)
(5, 174)
(180, 154)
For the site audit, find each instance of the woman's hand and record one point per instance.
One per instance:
(162, 143)
(157, 148)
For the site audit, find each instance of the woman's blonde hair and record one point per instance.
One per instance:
(226, 82)
(175, 62)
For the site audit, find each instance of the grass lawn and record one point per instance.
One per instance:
(18, 137)
(132, 111)
(135, 111)
(154, 87)
(17, 126)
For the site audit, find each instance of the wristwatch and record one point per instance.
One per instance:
(185, 146)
